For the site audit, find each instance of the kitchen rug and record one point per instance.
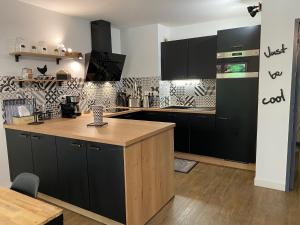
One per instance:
(183, 165)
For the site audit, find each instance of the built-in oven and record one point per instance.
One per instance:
(238, 64)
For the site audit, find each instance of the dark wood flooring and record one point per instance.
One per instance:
(212, 195)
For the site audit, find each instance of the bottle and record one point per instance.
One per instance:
(146, 103)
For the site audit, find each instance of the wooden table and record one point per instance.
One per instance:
(19, 209)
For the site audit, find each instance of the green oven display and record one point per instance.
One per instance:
(235, 68)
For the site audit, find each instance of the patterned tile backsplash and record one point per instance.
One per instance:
(49, 95)
(195, 93)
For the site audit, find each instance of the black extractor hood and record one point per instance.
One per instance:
(101, 64)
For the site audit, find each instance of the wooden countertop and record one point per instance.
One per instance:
(192, 111)
(19, 209)
(117, 132)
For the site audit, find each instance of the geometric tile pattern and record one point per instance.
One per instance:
(49, 95)
(196, 93)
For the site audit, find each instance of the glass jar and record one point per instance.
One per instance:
(21, 45)
(42, 47)
(33, 48)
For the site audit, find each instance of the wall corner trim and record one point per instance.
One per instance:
(269, 184)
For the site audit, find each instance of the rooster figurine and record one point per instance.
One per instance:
(43, 70)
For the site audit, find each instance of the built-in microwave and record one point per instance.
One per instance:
(238, 64)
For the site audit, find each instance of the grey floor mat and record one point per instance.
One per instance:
(183, 165)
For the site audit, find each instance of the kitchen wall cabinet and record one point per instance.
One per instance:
(189, 59)
(45, 163)
(106, 173)
(244, 38)
(19, 154)
(174, 60)
(202, 57)
(73, 172)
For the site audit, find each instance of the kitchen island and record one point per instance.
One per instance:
(122, 171)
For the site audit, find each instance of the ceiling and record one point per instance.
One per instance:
(127, 13)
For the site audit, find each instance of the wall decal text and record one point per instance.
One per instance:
(275, 75)
(276, 52)
(273, 100)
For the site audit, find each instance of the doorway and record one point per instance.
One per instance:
(294, 134)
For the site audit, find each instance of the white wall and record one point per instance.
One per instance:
(278, 19)
(140, 46)
(116, 40)
(211, 27)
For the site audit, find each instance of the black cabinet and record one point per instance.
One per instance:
(182, 132)
(202, 139)
(174, 60)
(45, 163)
(88, 175)
(73, 172)
(131, 116)
(106, 173)
(244, 38)
(19, 152)
(202, 55)
(237, 118)
(157, 116)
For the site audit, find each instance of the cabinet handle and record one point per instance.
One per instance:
(36, 137)
(237, 46)
(222, 118)
(23, 135)
(76, 145)
(95, 148)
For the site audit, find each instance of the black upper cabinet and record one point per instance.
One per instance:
(245, 38)
(189, 59)
(202, 55)
(73, 172)
(106, 173)
(174, 60)
(19, 152)
(45, 163)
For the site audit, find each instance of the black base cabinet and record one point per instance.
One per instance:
(106, 173)
(19, 152)
(72, 172)
(45, 163)
(202, 138)
(88, 175)
(193, 133)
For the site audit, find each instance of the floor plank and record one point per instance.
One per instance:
(213, 195)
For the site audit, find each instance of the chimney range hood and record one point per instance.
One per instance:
(101, 64)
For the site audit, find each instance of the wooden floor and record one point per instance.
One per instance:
(212, 195)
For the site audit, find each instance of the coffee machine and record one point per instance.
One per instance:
(70, 109)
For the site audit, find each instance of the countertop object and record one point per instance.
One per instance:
(117, 132)
(19, 209)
